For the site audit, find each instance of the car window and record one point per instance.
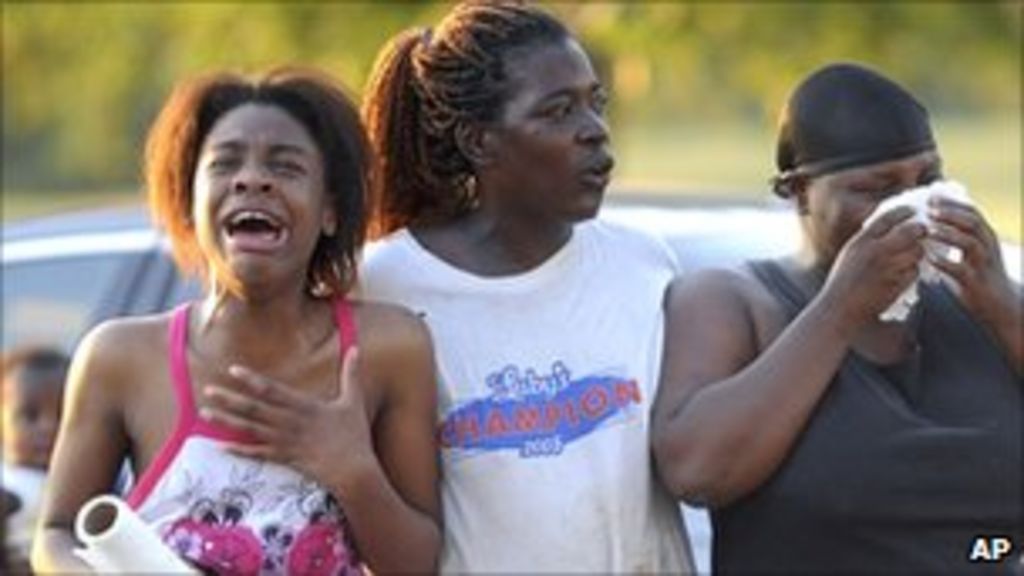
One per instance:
(52, 301)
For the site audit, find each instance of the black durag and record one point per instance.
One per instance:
(844, 116)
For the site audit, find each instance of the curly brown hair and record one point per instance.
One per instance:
(312, 98)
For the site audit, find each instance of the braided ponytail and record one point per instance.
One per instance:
(393, 125)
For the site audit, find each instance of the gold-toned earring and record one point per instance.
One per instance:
(320, 290)
(327, 233)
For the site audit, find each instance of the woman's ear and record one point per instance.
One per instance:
(475, 142)
(800, 185)
(792, 186)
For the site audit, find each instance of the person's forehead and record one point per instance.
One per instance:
(264, 122)
(548, 67)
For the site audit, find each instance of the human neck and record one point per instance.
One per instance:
(493, 244)
(812, 267)
(261, 333)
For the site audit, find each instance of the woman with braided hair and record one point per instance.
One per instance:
(491, 160)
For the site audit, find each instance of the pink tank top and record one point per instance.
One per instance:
(238, 516)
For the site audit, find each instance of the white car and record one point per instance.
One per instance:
(63, 274)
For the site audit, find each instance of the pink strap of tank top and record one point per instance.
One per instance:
(185, 418)
(187, 421)
(345, 321)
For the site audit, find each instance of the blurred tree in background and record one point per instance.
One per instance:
(82, 81)
(725, 59)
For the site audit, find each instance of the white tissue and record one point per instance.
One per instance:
(123, 545)
(917, 198)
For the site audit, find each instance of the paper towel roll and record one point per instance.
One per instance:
(118, 541)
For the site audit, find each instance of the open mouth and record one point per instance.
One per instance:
(255, 230)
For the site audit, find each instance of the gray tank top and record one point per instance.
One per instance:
(900, 469)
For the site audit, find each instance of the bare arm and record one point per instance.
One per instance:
(90, 447)
(726, 417)
(396, 505)
(384, 473)
(1009, 327)
(979, 279)
(728, 413)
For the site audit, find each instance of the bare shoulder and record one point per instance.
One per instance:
(389, 336)
(120, 344)
(114, 357)
(716, 287)
(389, 328)
(726, 298)
(396, 352)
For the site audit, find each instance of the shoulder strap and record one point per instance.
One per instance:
(345, 321)
(779, 285)
(178, 353)
(186, 419)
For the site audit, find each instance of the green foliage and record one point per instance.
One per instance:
(740, 58)
(82, 81)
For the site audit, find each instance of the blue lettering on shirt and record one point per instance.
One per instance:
(536, 414)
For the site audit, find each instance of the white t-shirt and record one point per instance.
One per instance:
(546, 382)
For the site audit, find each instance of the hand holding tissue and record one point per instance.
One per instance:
(918, 199)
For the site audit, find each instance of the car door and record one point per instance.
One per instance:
(54, 300)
